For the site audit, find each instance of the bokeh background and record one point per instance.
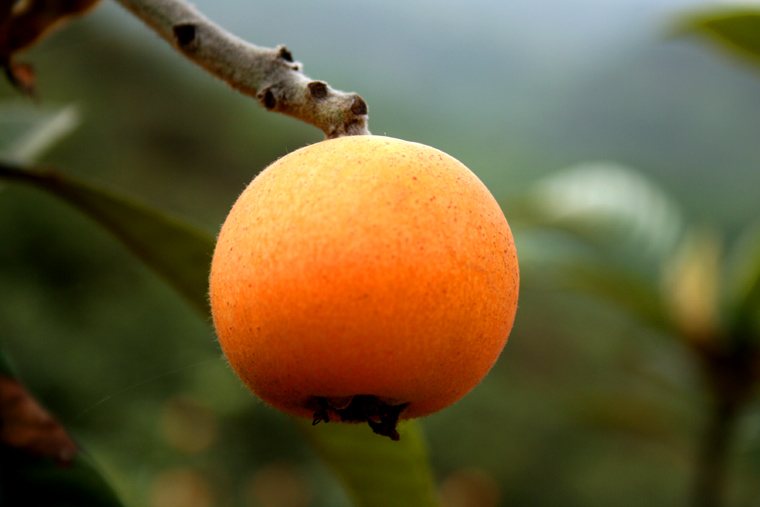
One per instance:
(586, 407)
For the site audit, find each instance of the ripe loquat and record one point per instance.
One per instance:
(364, 278)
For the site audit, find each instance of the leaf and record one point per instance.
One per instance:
(611, 207)
(23, 23)
(39, 462)
(551, 262)
(734, 28)
(602, 229)
(630, 410)
(376, 471)
(28, 21)
(742, 291)
(624, 289)
(26, 132)
(22, 76)
(178, 252)
(27, 427)
(39, 482)
(691, 286)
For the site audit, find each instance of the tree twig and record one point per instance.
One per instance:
(731, 375)
(268, 74)
(712, 461)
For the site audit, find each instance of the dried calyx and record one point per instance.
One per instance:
(381, 417)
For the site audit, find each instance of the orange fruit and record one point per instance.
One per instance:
(364, 278)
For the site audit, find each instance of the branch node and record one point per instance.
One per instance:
(284, 53)
(184, 34)
(359, 107)
(267, 99)
(285, 57)
(318, 89)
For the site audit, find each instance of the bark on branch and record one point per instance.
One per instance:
(268, 74)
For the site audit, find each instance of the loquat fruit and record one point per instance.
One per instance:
(364, 279)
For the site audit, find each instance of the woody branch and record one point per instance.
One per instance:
(268, 74)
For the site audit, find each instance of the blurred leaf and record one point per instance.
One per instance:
(39, 463)
(743, 285)
(602, 229)
(735, 28)
(610, 206)
(625, 289)
(691, 282)
(598, 278)
(636, 413)
(21, 75)
(377, 471)
(26, 131)
(28, 428)
(23, 23)
(41, 483)
(173, 249)
(5, 366)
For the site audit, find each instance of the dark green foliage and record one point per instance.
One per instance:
(26, 480)
(735, 28)
(31, 475)
(642, 255)
(178, 252)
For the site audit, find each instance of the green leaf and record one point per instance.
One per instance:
(609, 206)
(40, 482)
(742, 291)
(32, 472)
(5, 366)
(620, 287)
(734, 28)
(376, 471)
(26, 132)
(632, 410)
(602, 229)
(178, 252)
(551, 262)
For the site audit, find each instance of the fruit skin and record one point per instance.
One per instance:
(364, 265)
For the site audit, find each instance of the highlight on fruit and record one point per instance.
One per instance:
(364, 279)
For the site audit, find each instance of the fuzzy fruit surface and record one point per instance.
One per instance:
(364, 266)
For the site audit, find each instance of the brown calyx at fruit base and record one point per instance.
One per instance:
(381, 417)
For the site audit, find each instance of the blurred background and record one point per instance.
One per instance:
(586, 407)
